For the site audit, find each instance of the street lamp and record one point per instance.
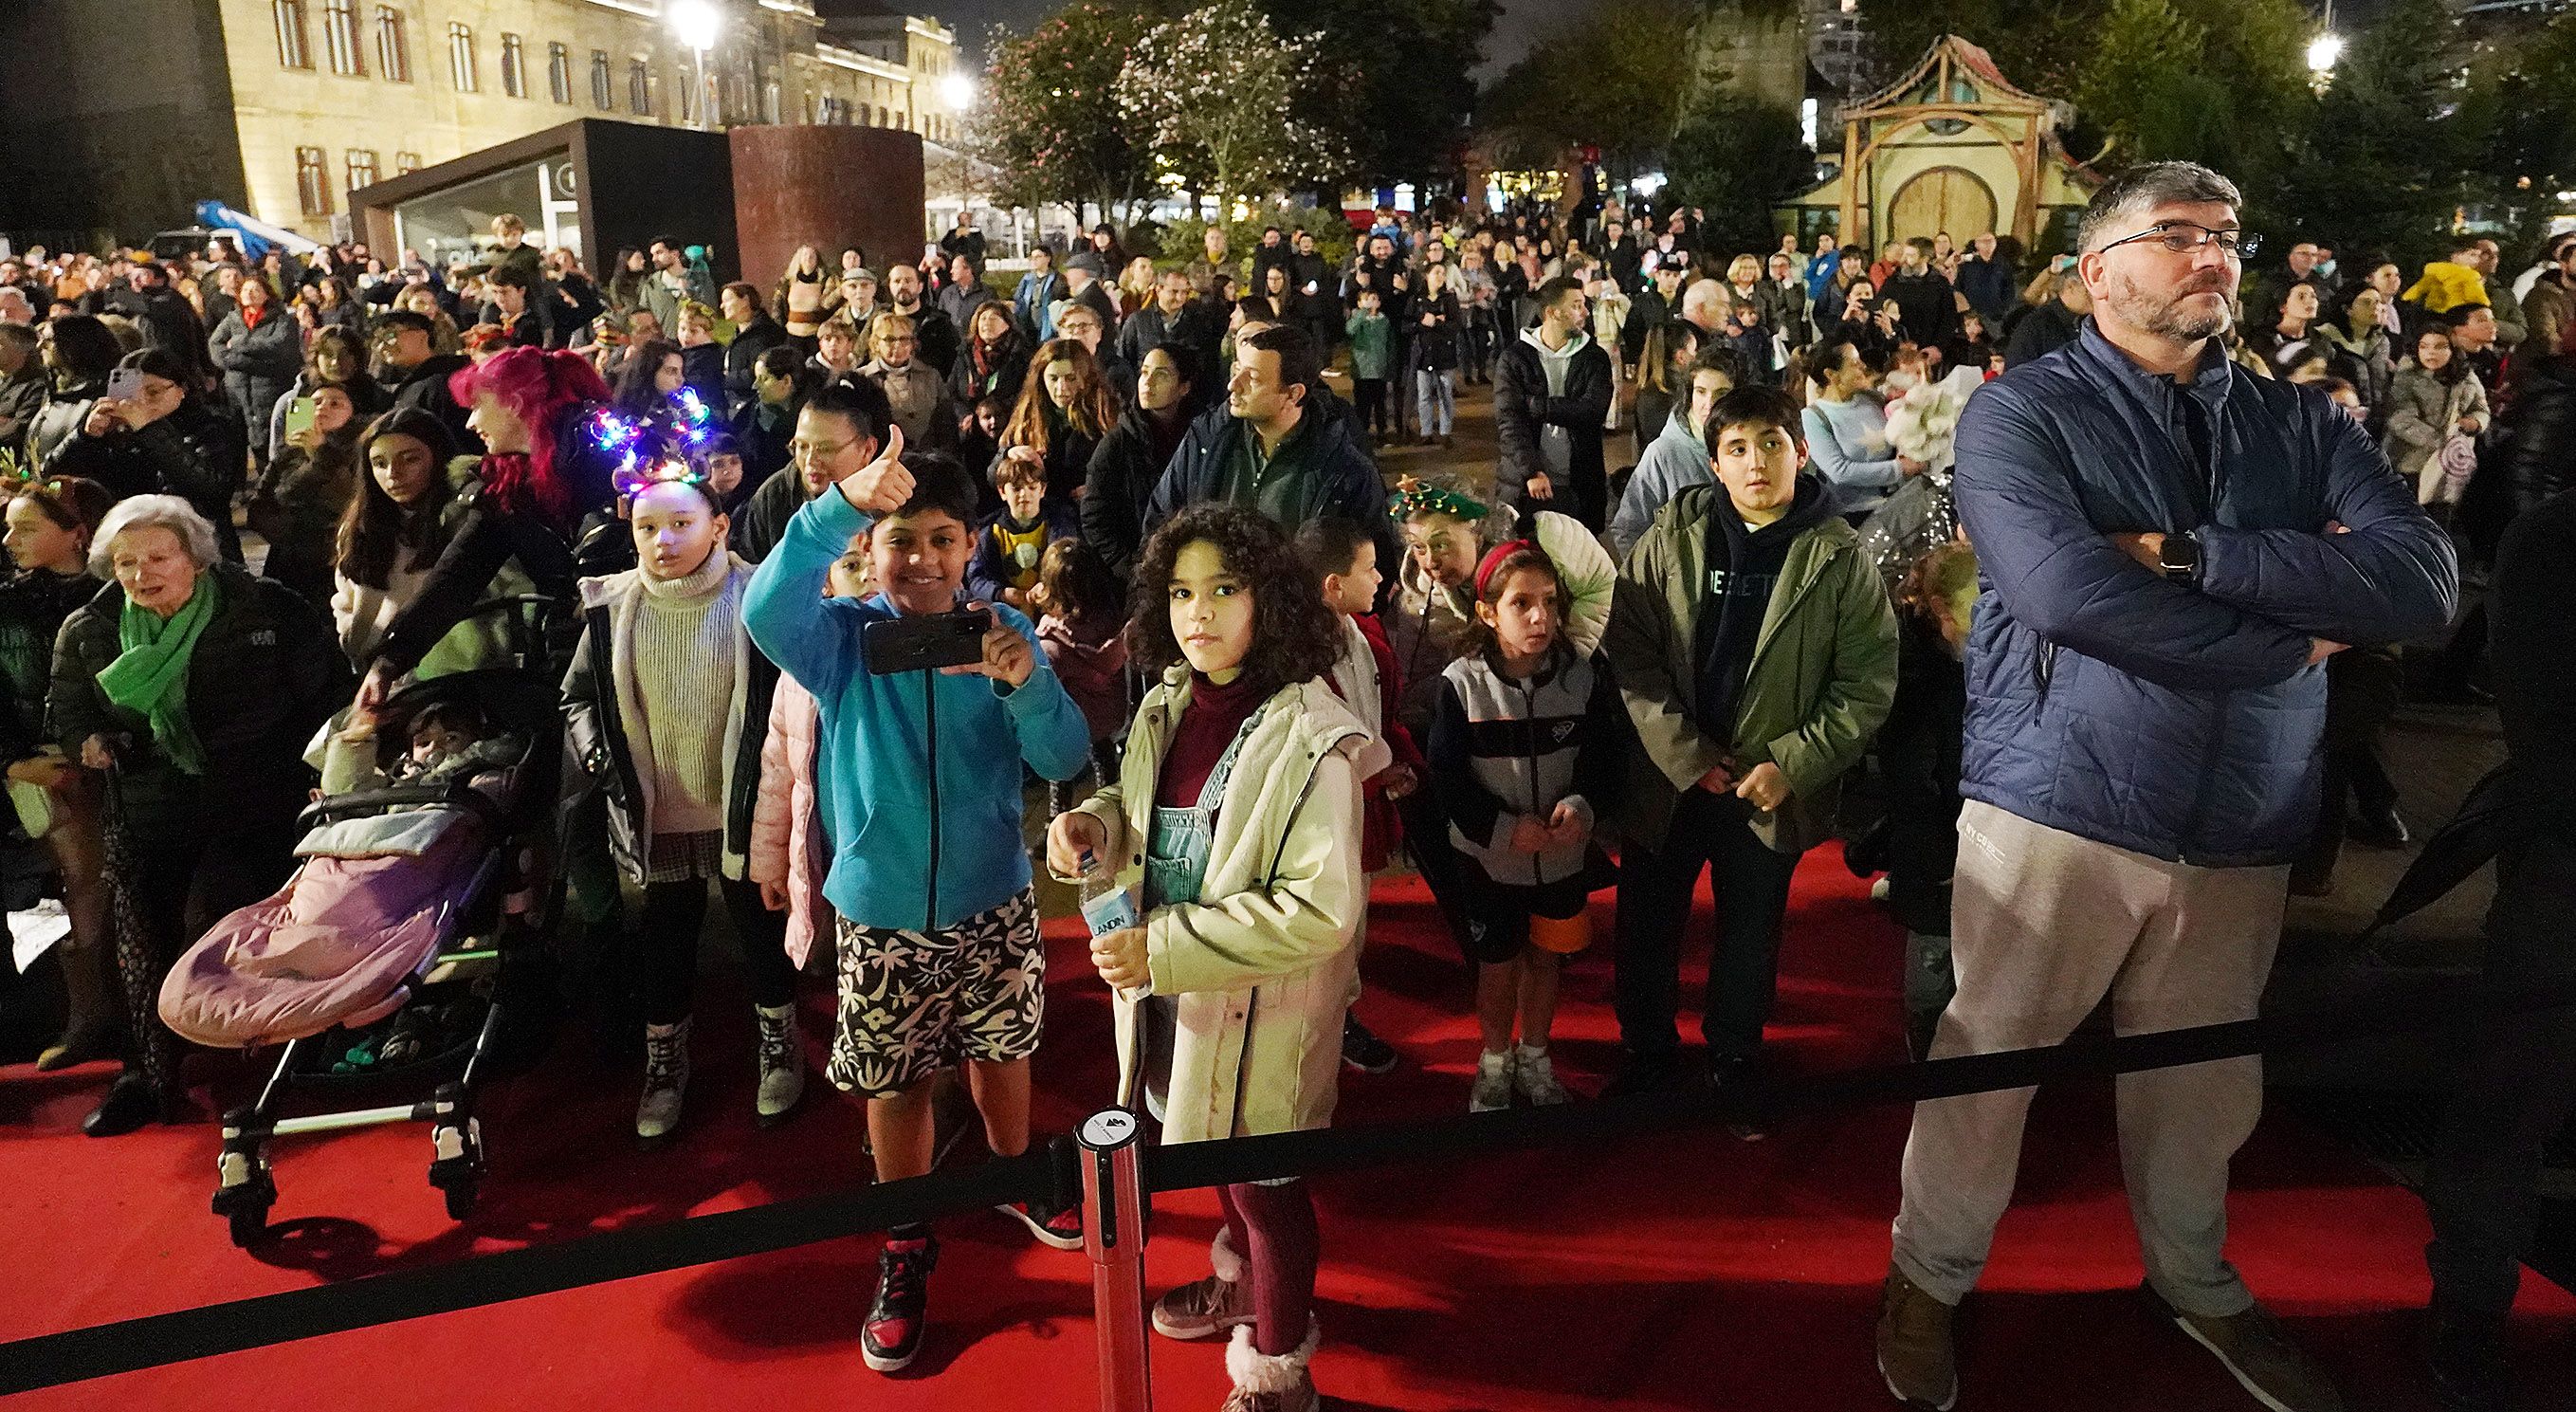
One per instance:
(958, 92)
(2323, 53)
(695, 23)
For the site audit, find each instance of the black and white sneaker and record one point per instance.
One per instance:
(1363, 1050)
(1059, 1227)
(891, 1338)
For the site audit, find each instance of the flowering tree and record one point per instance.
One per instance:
(1052, 122)
(1230, 105)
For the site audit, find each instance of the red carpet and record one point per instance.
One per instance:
(1668, 1273)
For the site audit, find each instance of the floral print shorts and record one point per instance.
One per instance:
(914, 1003)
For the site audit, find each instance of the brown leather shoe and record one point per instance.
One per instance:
(2257, 1350)
(1915, 1354)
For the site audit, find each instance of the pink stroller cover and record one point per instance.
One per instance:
(337, 945)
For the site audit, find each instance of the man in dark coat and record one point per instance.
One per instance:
(1552, 388)
(2174, 547)
(1268, 449)
(417, 377)
(1927, 307)
(164, 317)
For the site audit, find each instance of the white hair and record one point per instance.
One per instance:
(143, 512)
(1704, 302)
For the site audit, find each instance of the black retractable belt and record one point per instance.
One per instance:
(1114, 1179)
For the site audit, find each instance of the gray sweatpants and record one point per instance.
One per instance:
(2044, 923)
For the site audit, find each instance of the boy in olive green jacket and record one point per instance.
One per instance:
(1756, 653)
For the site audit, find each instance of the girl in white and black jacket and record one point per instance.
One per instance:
(1519, 747)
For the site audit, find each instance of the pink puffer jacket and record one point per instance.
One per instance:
(787, 821)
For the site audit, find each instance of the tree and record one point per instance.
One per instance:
(1738, 158)
(2527, 109)
(2382, 169)
(1051, 120)
(1230, 104)
(1616, 77)
(1408, 65)
(2125, 87)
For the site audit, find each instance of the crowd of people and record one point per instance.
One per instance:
(2115, 621)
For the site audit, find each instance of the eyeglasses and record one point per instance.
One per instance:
(817, 450)
(2186, 237)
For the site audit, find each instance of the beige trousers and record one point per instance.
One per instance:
(2044, 924)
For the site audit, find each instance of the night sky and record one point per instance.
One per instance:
(1522, 21)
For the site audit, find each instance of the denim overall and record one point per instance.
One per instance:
(1176, 859)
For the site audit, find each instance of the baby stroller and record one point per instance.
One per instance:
(436, 897)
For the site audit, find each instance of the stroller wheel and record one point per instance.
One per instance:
(244, 1195)
(460, 1194)
(457, 1171)
(249, 1225)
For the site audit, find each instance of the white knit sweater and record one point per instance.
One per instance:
(684, 647)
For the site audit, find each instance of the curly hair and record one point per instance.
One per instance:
(1295, 638)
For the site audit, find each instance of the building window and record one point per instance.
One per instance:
(405, 162)
(362, 168)
(393, 45)
(603, 95)
(460, 57)
(340, 37)
(514, 66)
(559, 72)
(639, 88)
(291, 50)
(313, 180)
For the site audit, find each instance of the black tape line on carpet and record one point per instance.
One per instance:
(131, 1345)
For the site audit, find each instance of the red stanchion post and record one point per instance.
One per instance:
(1113, 1234)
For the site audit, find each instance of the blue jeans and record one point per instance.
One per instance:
(1435, 390)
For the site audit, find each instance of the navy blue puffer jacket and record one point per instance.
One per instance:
(2177, 720)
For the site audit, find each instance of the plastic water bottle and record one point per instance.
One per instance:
(1106, 907)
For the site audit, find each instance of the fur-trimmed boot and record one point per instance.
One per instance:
(1267, 1382)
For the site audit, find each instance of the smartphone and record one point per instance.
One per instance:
(125, 385)
(299, 415)
(914, 642)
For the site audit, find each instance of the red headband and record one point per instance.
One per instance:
(1495, 556)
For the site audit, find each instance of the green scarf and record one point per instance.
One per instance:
(150, 674)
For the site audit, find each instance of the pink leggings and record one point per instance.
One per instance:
(1273, 1229)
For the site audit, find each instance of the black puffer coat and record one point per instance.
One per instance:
(265, 674)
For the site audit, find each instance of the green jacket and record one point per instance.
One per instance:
(1823, 673)
(1370, 336)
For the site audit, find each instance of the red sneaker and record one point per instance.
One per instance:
(1059, 1228)
(891, 1338)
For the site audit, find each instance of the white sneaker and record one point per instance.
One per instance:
(1493, 1090)
(1534, 1075)
(666, 1079)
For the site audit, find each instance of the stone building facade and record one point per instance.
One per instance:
(281, 107)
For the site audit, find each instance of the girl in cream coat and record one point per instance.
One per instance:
(1236, 814)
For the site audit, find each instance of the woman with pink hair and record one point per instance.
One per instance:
(550, 451)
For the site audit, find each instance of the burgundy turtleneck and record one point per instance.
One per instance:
(1207, 726)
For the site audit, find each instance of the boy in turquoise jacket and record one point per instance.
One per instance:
(939, 958)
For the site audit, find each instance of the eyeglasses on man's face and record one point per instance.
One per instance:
(2186, 237)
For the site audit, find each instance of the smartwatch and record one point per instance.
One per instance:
(2179, 558)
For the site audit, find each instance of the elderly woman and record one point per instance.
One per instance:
(51, 524)
(195, 687)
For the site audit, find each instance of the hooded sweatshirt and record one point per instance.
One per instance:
(1556, 443)
(1744, 568)
(1673, 460)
